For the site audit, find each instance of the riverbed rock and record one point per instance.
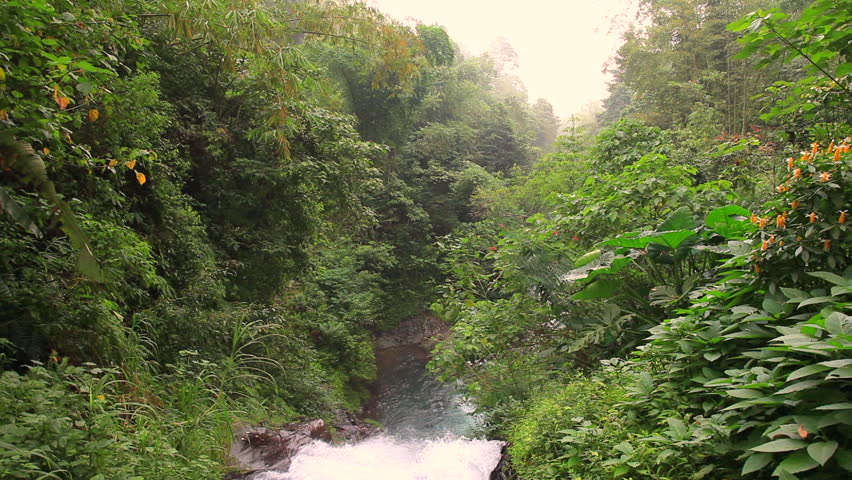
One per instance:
(257, 448)
(423, 330)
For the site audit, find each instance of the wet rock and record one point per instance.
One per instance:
(258, 449)
(503, 470)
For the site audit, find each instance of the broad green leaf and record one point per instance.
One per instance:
(772, 306)
(794, 294)
(799, 386)
(712, 356)
(745, 393)
(837, 363)
(671, 239)
(837, 323)
(587, 258)
(817, 300)
(805, 371)
(601, 288)
(797, 462)
(822, 451)
(730, 221)
(836, 406)
(830, 277)
(844, 372)
(755, 462)
(601, 262)
(783, 445)
(680, 219)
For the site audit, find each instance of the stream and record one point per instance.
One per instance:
(427, 424)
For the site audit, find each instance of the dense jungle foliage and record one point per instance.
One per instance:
(209, 209)
(682, 312)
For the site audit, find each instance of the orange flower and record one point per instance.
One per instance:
(837, 152)
(781, 188)
(824, 176)
(756, 268)
(813, 217)
(780, 243)
(772, 239)
(753, 218)
(814, 148)
(762, 222)
(842, 218)
(806, 156)
(781, 221)
(830, 147)
(797, 173)
(826, 244)
(790, 163)
(794, 204)
(764, 246)
(93, 115)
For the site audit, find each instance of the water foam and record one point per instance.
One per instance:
(389, 458)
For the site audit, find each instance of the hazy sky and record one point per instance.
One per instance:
(562, 44)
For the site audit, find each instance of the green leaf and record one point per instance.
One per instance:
(783, 445)
(712, 356)
(772, 306)
(818, 300)
(680, 219)
(730, 221)
(587, 258)
(745, 393)
(18, 213)
(830, 277)
(602, 288)
(671, 239)
(844, 459)
(797, 387)
(805, 371)
(845, 372)
(797, 462)
(822, 451)
(755, 462)
(836, 406)
(837, 363)
(794, 294)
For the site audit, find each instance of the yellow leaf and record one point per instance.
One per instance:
(46, 150)
(131, 164)
(140, 177)
(93, 115)
(113, 162)
(3, 114)
(2, 75)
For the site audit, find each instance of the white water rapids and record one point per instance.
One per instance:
(425, 426)
(389, 458)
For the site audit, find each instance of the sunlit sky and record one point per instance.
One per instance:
(562, 44)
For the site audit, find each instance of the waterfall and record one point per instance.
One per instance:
(427, 428)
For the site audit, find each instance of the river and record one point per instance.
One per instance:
(427, 433)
